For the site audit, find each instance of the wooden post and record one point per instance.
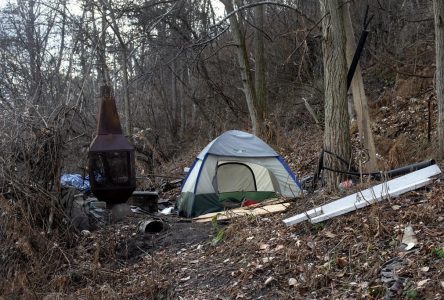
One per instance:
(438, 9)
(359, 97)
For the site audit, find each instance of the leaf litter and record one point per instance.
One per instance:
(356, 256)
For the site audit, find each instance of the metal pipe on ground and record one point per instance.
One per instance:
(404, 170)
(310, 183)
(151, 226)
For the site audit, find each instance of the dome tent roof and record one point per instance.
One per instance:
(238, 143)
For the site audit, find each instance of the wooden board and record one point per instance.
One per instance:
(263, 203)
(243, 211)
(392, 188)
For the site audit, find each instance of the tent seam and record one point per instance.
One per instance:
(287, 168)
(200, 171)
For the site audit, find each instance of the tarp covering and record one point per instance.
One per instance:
(76, 181)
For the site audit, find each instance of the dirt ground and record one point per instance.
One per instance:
(261, 258)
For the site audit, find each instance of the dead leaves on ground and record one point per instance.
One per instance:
(341, 258)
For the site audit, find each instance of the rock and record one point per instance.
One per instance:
(292, 282)
(85, 232)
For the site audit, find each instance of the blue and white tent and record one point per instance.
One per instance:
(234, 167)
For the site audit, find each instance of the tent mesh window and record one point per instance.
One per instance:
(234, 176)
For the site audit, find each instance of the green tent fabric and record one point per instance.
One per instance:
(234, 167)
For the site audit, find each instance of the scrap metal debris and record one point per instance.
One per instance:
(392, 188)
(151, 226)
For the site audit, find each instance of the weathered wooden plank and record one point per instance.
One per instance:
(250, 207)
(238, 212)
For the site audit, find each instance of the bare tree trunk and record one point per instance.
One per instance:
(102, 68)
(192, 84)
(336, 134)
(33, 48)
(359, 97)
(242, 55)
(438, 8)
(62, 37)
(126, 100)
(173, 100)
(260, 80)
(124, 63)
(183, 79)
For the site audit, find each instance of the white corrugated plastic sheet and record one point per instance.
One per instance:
(392, 188)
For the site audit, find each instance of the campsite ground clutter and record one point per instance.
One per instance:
(356, 255)
(367, 252)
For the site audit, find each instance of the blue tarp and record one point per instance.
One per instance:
(76, 181)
